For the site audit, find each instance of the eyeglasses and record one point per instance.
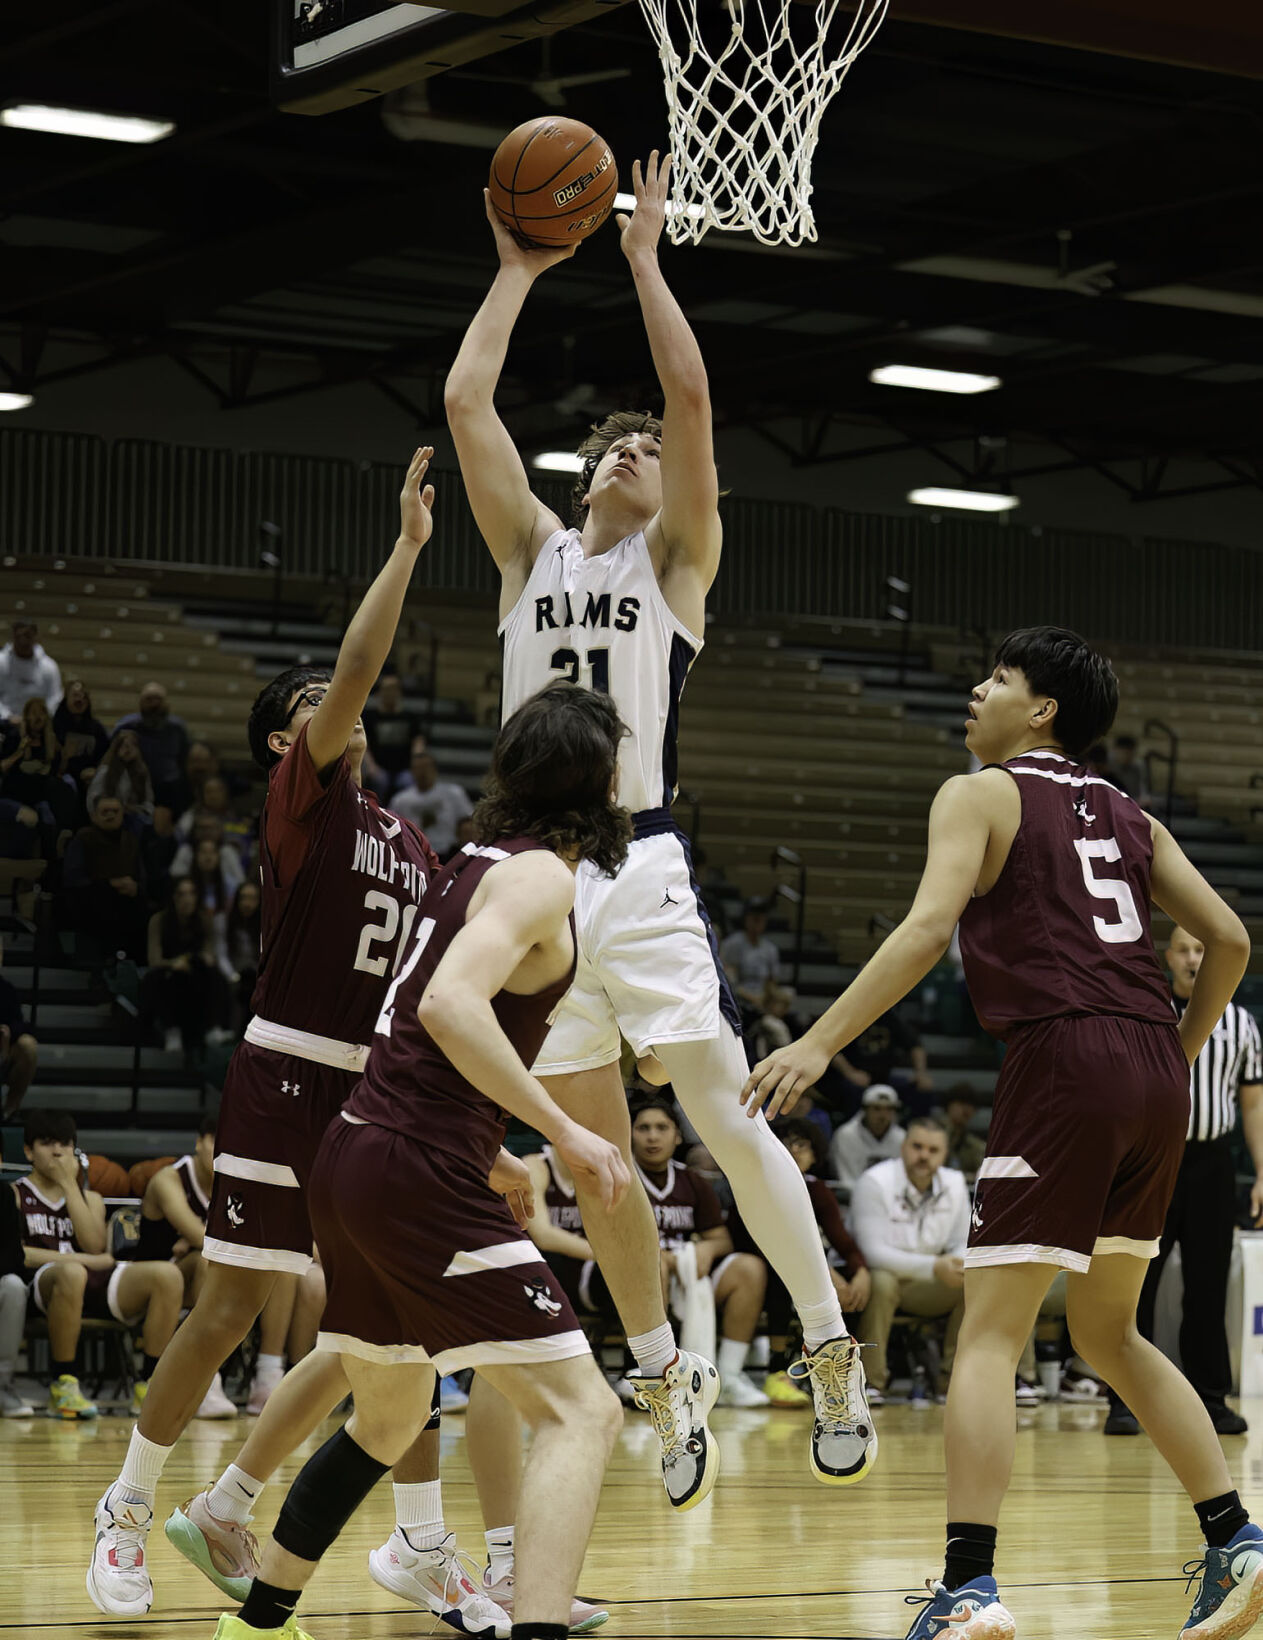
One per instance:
(309, 697)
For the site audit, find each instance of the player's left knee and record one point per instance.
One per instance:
(751, 1272)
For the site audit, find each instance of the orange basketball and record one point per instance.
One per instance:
(553, 181)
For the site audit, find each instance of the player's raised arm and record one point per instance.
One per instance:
(371, 633)
(687, 536)
(513, 522)
(1183, 893)
(961, 820)
(520, 907)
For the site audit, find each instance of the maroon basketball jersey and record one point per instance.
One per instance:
(1065, 930)
(45, 1223)
(158, 1236)
(410, 1085)
(683, 1202)
(341, 881)
(559, 1198)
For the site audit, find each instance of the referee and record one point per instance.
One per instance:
(1203, 1208)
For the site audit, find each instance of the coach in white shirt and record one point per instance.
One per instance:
(910, 1216)
(872, 1136)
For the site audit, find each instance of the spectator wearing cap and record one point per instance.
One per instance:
(26, 670)
(965, 1148)
(18, 1051)
(164, 745)
(911, 1216)
(750, 959)
(870, 1137)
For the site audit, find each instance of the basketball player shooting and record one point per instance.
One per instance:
(342, 880)
(618, 603)
(1052, 873)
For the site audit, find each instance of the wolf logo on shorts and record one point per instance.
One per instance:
(539, 1294)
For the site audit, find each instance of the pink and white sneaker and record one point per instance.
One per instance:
(439, 1581)
(118, 1579)
(222, 1550)
(584, 1615)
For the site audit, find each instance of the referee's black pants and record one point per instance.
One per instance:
(1200, 1219)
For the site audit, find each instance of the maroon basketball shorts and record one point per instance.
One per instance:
(100, 1295)
(1086, 1140)
(424, 1263)
(274, 1113)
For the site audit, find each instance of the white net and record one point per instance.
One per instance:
(745, 105)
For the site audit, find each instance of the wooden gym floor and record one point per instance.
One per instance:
(1092, 1540)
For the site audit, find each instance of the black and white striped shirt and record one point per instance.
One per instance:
(1233, 1056)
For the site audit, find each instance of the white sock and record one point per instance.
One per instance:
(269, 1366)
(419, 1513)
(499, 1541)
(138, 1478)
(234, 1495)
(655, 1351)
(731, 1358)
(821, 1322)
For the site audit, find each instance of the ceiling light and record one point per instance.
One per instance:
(16, 401)
(932, 381)
(558, 461)
(931, 495)
(85, 122)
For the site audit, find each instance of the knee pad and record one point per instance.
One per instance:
(327, 1491)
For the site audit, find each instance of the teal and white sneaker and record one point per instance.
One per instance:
(972, 1612)
(1230, 1600)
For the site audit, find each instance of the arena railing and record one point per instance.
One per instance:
(1170, 757)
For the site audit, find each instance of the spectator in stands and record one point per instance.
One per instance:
(465, 831)
(123, 773)
(689, 1217)
(20, 829)
(200, 763)
(776, 1027)
(749, 957)
(12, 1306)
(31, 767)
(437, 806)
(26, 669)
(238, 947)
(1129, 771)
(164, 745)
(911, 1217)
(888, 1051)
(64, 1235)
(104, 880)
(870, 1137)
(214, 864)
(965, 1148)
(557, 1230)
(18, 1050)
(83, 739)
(391, 732)
(216, 804)
(184, 991)
(1097, 758)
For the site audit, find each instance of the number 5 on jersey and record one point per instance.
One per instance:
(1129, 926)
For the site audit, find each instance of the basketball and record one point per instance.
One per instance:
(553, 181)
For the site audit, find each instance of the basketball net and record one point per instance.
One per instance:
(745, 115)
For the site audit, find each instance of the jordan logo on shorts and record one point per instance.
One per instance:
(236, 1212)
(538, 1293)
(666, 899)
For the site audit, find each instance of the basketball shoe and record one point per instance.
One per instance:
(972, 1612)
(1230, 1600)
(221, 1549)
(439, 1581)
(232, 1628)
(782, 1391)
(215, 1404)
(843, 1441)
(118, 1578)
(738, 1391)
(67, 1400)
(584, 1615)
(678, 1405)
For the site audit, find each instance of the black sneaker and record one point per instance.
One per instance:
(1226, 1421)
(1121, 1422)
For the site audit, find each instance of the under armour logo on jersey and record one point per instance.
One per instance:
(666, 899)
(1081, 809)
(291, 1087)
(538, 1293)
(236, 1212)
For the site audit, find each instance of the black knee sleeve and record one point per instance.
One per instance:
(436, 1401)
(328, 1490)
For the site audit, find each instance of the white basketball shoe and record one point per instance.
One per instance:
(118, 1578)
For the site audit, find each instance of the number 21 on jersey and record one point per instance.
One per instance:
(566, 661)
(424, 929)
(1129, 926)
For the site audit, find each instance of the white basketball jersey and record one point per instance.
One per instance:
(603, 622)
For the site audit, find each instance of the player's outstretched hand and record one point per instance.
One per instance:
(775, 1083)
(416, 500)
(516, 252)
(597, 1162)
(642, 230)
(510, 1177)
